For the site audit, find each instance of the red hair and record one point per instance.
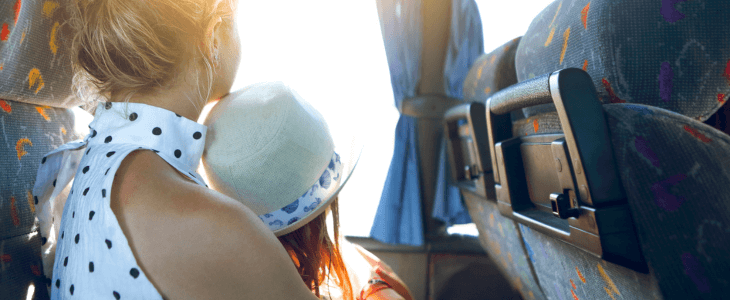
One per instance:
(316, 257)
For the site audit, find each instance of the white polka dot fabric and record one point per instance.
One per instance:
(93, 259)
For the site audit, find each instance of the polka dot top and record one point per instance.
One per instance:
(93, 258)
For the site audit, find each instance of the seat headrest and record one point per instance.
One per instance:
(491, 72)
(672, 54)
(34, 61)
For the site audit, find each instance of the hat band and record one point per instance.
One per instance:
(320, 192)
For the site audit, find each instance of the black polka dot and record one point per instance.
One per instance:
(108, 105)
(86, 169)
(108, 139)
(91, 215)
(191, 175)
(178, 153)
(134, 272)
(103, 193)
(91, 266)
(65, 261)
(77, 238)
(43, 161)
(43, 241)
(63, 233)
(197, 135)
(116, 295)
(156, 151)
(35, 198)
(54, 182)
(71, 289)
(157, 131)
(178, 115)
(73, 215)
(110, 154)
(47, 281)
(93, 133)
(58, 283)
(133, 116)
(87, 151)
(108, 244)
(86, 191)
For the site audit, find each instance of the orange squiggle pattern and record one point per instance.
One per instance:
(4, 32)
(49, 7)
(30, 201)
(535, 125)
(580, 275)
(697, 134)
(35, 76)
(550, 37)
(566, 35)
(611, 286)
(20, 146)
(556, 13)
(5, 106)
(18, 5)
(584, 15)
(14, 212)
(585, 65)
(52, 42)
(42, 112)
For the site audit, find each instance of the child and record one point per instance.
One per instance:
(271, 150)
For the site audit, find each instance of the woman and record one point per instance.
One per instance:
(275, 153)
(139, 223)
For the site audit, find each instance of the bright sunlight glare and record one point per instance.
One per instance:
(331, 52)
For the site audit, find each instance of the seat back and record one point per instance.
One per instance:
(498, 235)
(35, 117)
(660, 68)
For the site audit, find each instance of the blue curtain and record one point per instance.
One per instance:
(466, 44)
(399, 218)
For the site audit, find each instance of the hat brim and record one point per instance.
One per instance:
(349, 147)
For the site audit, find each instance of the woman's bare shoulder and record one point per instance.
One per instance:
(195, 243)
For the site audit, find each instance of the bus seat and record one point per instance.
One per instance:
(497, 234)
(36, 116)
(660, 68)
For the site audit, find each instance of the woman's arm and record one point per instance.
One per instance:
(195, 243)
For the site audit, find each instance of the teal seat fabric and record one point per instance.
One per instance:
(491, 72)
(29, 132)
(498, 235)
(35, 118)
(35, 66)
(671, 54)
(661, 68)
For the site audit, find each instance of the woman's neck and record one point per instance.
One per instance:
(182, 98)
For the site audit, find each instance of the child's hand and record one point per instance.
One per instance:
(394, 281)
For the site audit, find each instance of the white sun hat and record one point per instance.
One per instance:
(271, 150)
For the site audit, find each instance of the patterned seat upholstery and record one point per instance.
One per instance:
(35, 118)
(499, 235)
(661, 68)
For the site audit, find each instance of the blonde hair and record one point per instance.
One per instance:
(126, 47)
